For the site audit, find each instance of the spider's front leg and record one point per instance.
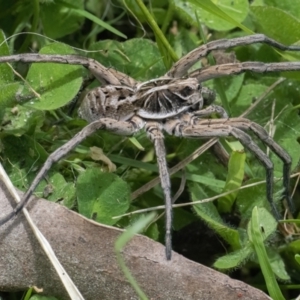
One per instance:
(101, 73)
(117, 127)
(154, 132)
(185, 63)
(238, 68)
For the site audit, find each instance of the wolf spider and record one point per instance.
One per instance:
(175, 103)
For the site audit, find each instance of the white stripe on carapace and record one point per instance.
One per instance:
(159, 115)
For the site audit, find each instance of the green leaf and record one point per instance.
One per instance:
(266, 19)
(234, 259)
(277, 265)
(247, 93)
(286, 119)
(211, 182)
(102, 196)
(7, 98)
(290, 6)
(152, 232)
(237, 10)
(56, 188)
(8, 88)
(132, 162)
(83, 13)
(293, 250)
(209, 213)
(57, 84)
(234, 180)
(23, 155)
(144, 64)
(277, 109)
(224, 18)
(287, 134)
(233, 85)
(59, 19)
(6, 73)
(19, 120)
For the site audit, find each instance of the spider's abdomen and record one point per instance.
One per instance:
(116, 102)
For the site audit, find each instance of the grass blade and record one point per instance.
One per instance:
(63, 275)
(123, 240)
(257, 240)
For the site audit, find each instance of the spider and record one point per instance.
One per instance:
(175, 103)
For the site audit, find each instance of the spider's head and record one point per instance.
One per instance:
(189, 90)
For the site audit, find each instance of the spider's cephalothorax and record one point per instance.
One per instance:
(173, 103)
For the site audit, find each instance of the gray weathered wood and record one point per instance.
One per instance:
(86, 250)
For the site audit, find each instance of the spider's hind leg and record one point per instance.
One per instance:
(242, 124)
(224, 128)
(278, 150)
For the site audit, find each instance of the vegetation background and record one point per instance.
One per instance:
(143, 39)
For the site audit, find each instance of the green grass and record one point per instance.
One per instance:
(33, 127)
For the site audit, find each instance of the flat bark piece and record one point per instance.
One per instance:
(86, 250)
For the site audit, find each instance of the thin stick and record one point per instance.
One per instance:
(61, 272)
(25, 81)
(199, 201)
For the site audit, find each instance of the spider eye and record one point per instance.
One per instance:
(199, 87)
(186, 91)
